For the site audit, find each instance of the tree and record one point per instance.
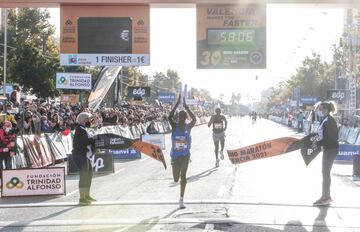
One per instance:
(34, 72)
(33, 53)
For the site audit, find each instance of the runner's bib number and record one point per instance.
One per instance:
(180, 143)
(218, 125)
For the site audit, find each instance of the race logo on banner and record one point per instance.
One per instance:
(347, 152)
(101, 164)
(33, 182)
(339, 96)
(308, 147)
(124, 153)
(138, 92)
(111, 141)
(166, 97)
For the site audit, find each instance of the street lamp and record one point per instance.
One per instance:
(5, 50)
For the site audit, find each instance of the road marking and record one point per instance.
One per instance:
(208, 227)
(77, 190)
(142, 160)
(120, 170)
(222, 191)
(73, 192)
(229, 170)
(170, 202)
(209, 222)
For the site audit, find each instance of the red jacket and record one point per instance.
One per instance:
(6, 139)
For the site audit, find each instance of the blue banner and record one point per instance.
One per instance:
(124, 154)
(346, 152)
(309, 99)
(166, 97)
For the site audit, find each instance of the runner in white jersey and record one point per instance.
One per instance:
(219, 126)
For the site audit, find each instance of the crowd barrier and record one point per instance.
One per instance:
(293, 123)
(349, 138)
(37, 151)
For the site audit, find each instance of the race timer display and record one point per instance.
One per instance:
(231, 36)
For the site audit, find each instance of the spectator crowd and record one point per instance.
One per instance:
(40, 116)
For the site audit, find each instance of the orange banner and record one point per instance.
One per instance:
(307, 146)
(261, 150)
(149, 149)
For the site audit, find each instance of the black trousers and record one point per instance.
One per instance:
(329, 156)
(5, 157)
(179, 168)
(85, 171)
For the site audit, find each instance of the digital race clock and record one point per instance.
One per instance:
(231, 37)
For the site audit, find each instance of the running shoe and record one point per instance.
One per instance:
(181, 204)
(217, 163)
(89, 198)
(222, 155)
(323, 202)
(84, 201)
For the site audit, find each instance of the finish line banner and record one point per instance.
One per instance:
(33, 182)
(115, 142)
(307, 146)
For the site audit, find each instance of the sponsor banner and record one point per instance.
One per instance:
(156, 139)
(33, 182)
(124, 153)
(115, 142)
(338, 96)
(166, 97)
(70, 98)
(347, 152)
(100, 162)
(106, 78)
(105, 35)
(293, 103)
(105, 59)
(9, 89)
(192, 102)
(307, 146)
(231, 36)
(308, 99)
(73, 81)
(138, 91)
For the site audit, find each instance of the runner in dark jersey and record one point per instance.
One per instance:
(219, 126)
(181, 144)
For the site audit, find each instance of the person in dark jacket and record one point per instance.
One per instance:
(328, 139)
(83, 145)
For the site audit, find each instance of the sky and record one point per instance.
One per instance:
(293, 32)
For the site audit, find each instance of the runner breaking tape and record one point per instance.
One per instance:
(219, 123)
(181, 144)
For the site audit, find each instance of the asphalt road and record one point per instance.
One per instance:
(271, 195)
